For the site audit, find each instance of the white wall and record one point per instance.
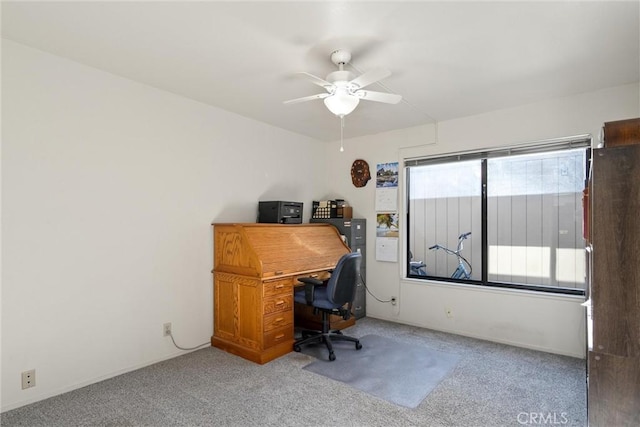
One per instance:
(109, 188)
(550, 323)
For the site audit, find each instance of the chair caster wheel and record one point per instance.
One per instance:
(358, 345)
(296, 348)
(332, 357)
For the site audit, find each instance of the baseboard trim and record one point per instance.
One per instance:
(66, 389)
(485, 338)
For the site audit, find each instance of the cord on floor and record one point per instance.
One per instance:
(187, 348)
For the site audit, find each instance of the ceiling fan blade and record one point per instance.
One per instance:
(369, 95)
(306, 98)
(369, 77)
(316, 80)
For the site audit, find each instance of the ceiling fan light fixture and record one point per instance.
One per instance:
(341, 103)
(344, 89)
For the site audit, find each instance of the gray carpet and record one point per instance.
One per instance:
(492, 385)
(398, 372)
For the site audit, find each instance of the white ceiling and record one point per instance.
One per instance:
(449, 59)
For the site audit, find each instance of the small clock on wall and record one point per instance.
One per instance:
(360, 174)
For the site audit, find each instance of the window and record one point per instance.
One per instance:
(509, 218)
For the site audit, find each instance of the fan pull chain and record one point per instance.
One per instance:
(341, 134)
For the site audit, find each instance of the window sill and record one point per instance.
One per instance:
(495, 290)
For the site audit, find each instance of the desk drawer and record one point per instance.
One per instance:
(277, 287)
(278, 320)
(278, 336)
(278, 303)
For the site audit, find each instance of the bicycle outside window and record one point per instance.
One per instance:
(519, 210)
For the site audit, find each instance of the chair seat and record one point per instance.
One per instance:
(320, 299)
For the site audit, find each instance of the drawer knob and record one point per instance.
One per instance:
(280, 286)
(279, 336)
(280, 302)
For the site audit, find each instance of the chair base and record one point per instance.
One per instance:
(317, 337)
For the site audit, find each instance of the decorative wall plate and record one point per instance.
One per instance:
(360, 174)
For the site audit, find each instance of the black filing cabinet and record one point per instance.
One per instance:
(355, 232)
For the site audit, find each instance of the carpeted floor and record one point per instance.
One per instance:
(491, 385)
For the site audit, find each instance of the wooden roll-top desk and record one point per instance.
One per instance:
(256, 267)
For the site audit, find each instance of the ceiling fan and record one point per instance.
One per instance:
(344, 89)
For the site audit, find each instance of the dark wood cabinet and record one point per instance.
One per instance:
(614, 390)
(621, 132)
(615, 292)
(614, 354)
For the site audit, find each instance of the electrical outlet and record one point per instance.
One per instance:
(29, 379)
(449, 312)
(167, 329)
(394, 301)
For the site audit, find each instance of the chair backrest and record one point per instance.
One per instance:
(341, 287)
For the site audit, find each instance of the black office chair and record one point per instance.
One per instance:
(334, 296)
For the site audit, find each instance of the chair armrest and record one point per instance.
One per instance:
(311, 280)
(310, 284)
